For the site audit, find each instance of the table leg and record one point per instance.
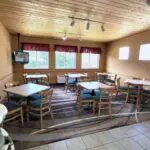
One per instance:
(93, 93)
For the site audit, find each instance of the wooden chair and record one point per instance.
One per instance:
(14, 112)
(111, 79)
(43, 106)
(84, 97)
(105, 99)
(134, 94)
(70, 83)
(119, 87)
(16, 99)
(83, 78)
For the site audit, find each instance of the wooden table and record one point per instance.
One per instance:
(137, 82)
(76, 75)
(94, 86)
(26, 90)
(35, 77)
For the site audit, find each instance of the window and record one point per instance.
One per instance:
(90, 61)
(37, 60)
(144, 52)
(124, 53)
(65, 60)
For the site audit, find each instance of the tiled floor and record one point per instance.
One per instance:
(133, 137)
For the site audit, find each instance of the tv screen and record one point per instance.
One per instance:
(21, 57)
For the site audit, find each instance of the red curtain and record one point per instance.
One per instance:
(35, 47)
(93, 50)
(65, 48)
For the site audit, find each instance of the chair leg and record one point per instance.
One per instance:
(94, 105)
(66, 88)
(127, 98)
(137, 104)
(21, 115)
(51, 114)
(41, 118)
(99, 109)
(110, 109)
(28, 111)
(78, 107)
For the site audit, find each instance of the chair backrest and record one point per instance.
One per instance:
(106, 94)
(11, 84)
(135, 88)
(46, 97)
(83, 79)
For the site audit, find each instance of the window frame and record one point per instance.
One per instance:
(140, 52)
(36, 54)
(122, 48)
(65, 57)
(90, 61)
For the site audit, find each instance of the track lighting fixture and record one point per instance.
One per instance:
(89, 20)
(102, 28)
(88, 25)
(72, 22)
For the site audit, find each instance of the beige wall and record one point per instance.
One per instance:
(5, 58)
(19, 69)
(131, 67)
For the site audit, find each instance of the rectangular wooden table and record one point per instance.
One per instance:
(137, 82)
(76, 75)
(26, 90)
(94, 86)
(35, 77)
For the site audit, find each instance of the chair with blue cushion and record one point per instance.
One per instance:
(85, 97)
(14, 112)
(70, 83)
(42, 106)
(105, 99)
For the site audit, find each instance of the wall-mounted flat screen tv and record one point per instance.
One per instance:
(21, 57)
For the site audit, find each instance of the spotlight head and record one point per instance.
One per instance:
(72, 23)
(88, 26)
(102, 28)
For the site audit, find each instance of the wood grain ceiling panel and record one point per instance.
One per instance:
(49, 17)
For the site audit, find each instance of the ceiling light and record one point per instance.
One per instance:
(72, 23)
(148, 2)
(102, 28)
(64, 37)
(88, 26)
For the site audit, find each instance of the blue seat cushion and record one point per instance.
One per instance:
(71, 81)
(35, 97)
(11, 106)
(86, 91)
(89, 95)
(123, 87)
(37, 103)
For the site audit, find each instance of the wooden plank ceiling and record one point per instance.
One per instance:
(49, 17)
